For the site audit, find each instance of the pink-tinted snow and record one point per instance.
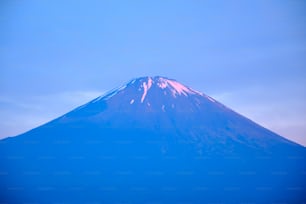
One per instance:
(146, 87)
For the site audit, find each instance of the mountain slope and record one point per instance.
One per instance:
(152, 140)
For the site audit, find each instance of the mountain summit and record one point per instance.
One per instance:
(152, 140)
(162, 104)
(151, 91)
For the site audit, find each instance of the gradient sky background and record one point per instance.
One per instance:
(249, 55)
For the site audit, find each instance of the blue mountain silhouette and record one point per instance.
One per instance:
(152, 140)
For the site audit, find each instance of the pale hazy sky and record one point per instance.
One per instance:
(249, 55)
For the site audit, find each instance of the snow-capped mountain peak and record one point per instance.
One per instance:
(162, 133)
(145, 85)
(166, 84)
(176, 87)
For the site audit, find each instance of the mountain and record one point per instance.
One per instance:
(152, 140)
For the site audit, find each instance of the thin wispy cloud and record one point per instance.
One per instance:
(275, 111)
(20, 114)
(252, 52)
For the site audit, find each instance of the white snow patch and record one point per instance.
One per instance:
(197, 92)
(175, 87)
(200, 93)
(146, 87)
(105, 97)
(162, 83)
(211, 99)
(150, 82)
(179, 88)
(145, 90)
(132, 101)
(110, 93)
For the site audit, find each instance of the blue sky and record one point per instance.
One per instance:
(249, 55)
